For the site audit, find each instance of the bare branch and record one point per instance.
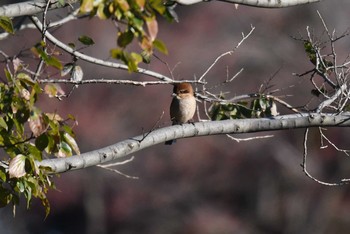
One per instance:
(323, 136)
(108, 167)
(342, 182)
(244, 37)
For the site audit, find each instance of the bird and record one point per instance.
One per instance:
(183, 105)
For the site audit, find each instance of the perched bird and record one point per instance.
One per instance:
(183, 105)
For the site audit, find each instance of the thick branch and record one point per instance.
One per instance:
(271, 3)
(30, 7)
(257, 3)
(37, 6)
(161, 135)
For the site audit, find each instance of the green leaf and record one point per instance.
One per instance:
(102, 12)
(34, 152)
(137, 58)
(52, 61)
(86, 40)
(6, 24)
(132, 66)
(71, 45)
(2, 175)
(71, 141)
(64, 150)
(41, 142)
(125, 38)
(8, 75)
(62, 2)
(49, 60)
(146, 56)
(158, 6)
(22, 115)
(25, 78)
(116, 53)
(160, 46)
(3, 124)
(68, 130)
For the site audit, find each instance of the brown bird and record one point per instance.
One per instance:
(183, 105)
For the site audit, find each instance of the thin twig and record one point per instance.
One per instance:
(323, 136)
(238, 140)
(244, 37)
(107, 167)
(343, 181)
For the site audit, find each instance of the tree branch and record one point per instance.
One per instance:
(256, 3)
(31, 7)
(37, 6)
(112, 81)
(131, 145)
(93, 60)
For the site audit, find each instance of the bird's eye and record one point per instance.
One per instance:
(183, 91)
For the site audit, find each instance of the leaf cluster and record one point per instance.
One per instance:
(259, 107)
(135, 20)
(27, 135)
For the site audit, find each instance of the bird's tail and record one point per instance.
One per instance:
(170, 142)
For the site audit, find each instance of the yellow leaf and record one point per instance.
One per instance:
(87, 6)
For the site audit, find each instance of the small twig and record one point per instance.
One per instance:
(238, 140)
(323, 136)
(19, 142)
(153, 127)
(331, 99)
(343, 181)
(244, 37)
(107, 167)
(283, 103)
(167, 65)
(43, 38)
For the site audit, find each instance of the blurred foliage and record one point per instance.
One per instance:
(135, 20)
(27, 135)
(314, 54)
(259, 107)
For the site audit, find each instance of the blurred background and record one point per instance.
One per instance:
(205, 184)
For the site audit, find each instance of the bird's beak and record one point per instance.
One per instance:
(173, 95)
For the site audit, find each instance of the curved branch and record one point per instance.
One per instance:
(93, 60)
(161, 135)
(31, 7)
